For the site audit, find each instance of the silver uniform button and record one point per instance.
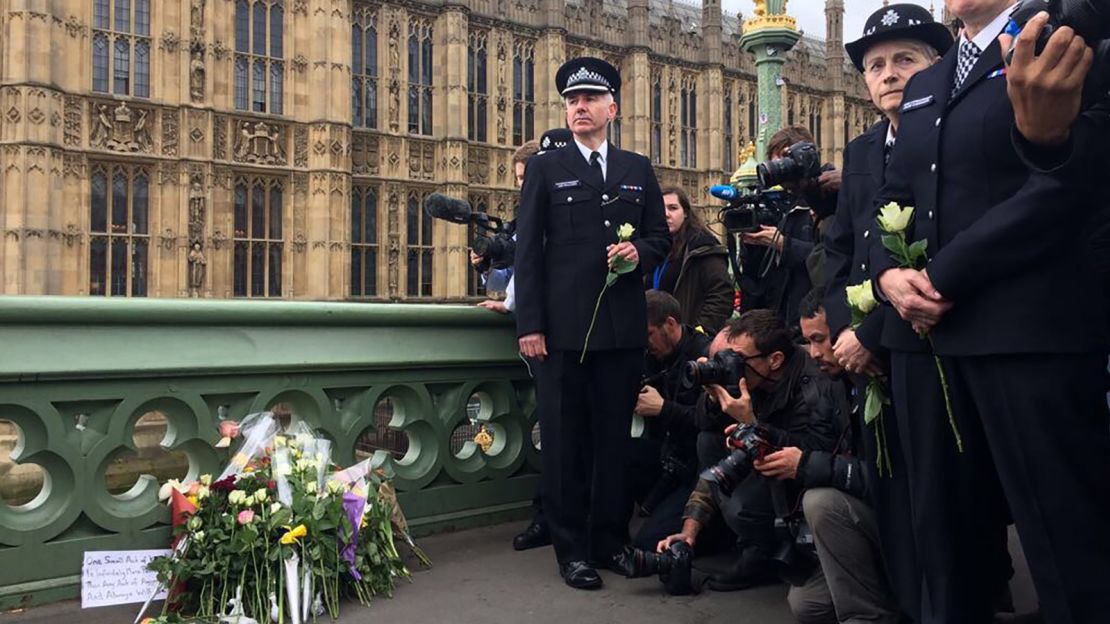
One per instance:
(866, 233)
(604, 198)
(938, 122)
(933, 168)
(606, 223)
(930, 214)
(568, 199)
(863, 267)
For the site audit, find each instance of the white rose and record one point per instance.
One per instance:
(274, 508)
(202, 493)
(335, 487)
(261, 496)
(893, 218)
(862, 297)
(310, 487)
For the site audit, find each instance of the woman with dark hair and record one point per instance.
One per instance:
(696, 271)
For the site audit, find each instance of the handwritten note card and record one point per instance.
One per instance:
(113, 577)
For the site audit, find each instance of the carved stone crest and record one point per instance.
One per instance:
(169, 133)
(122, 129)
(477, 170)
(260, 143)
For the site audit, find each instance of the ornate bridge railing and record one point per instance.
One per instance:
(94, 392)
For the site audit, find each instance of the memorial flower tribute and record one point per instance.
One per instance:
(280, 535)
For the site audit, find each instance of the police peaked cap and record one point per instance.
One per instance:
(587, 74)
(899, 21)
(555, 138)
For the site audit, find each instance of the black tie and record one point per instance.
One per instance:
(887, 149)
(595, 164)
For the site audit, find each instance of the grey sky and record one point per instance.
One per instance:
(811, 13)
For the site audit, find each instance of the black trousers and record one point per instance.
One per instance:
(956, 511)
(890, 502)
(585, 419)
(1047, 425)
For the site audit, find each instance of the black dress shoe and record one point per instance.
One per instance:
(579, 575)
(534, 536)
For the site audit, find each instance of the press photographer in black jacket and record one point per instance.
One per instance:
(667, 407)
(794, 405)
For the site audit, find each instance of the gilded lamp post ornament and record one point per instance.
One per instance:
(768, 35)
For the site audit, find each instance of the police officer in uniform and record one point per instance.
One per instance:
(1005, 301)
(897, 42)
(575, 199)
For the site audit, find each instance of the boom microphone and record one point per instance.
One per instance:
(726, 192)
(447, 208)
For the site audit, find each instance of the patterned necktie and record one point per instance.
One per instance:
(595, 164)
(969, 54)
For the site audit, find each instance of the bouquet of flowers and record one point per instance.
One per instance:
(279, 536)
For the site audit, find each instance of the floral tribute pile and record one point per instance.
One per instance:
(279, 536)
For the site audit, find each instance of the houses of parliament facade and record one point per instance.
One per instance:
(284, 148)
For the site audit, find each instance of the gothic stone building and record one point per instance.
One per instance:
(283, 148)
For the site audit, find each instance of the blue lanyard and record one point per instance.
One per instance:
(658, 277)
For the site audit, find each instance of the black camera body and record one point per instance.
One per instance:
(749, 443)
(748, 213)
(724, 369)
(795, 557)
(801, 162)
(1089, 18)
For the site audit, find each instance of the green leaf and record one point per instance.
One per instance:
(917, 251)
(620, 266)
(873, 405)
(611, 278)
(896, 245)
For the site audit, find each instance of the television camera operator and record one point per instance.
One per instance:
(777, 260)
(779, 398)
(667, 406)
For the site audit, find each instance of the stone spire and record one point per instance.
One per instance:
(834, 43)
(711, 30)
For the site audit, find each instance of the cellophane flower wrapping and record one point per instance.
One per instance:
(283, 527)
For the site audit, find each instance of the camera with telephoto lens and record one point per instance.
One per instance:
(749, 443)
(674, 474)
(801, 162)
(795, 557)
(724, 369)
(672, 565)
(1090, 19)
(497, 249)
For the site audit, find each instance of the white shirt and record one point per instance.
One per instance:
(510, 294)
(992, 30)
(603, 150)
(890, 137)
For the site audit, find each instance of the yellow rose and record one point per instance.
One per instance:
(861, 297)
(893, 218)
(625, 231)
(291, 536)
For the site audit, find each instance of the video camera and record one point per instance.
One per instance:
(747, 212)
(494, 241)
(1089, 18)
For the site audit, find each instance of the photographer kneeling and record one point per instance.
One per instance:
(783, 400)
(850, 584)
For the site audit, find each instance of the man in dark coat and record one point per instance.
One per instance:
(1027, 383)
(898, 41)
(591, 352)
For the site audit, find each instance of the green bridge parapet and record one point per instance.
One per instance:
(77, 374)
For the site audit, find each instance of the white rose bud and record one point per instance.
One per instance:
(261, 496)
(274, 508)
(862, 297)
(198, 536)
(202, 492)
(310, 487)
(280, 442)
(206, 479)
(625, 231)
(335, 487)
(893, 218)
